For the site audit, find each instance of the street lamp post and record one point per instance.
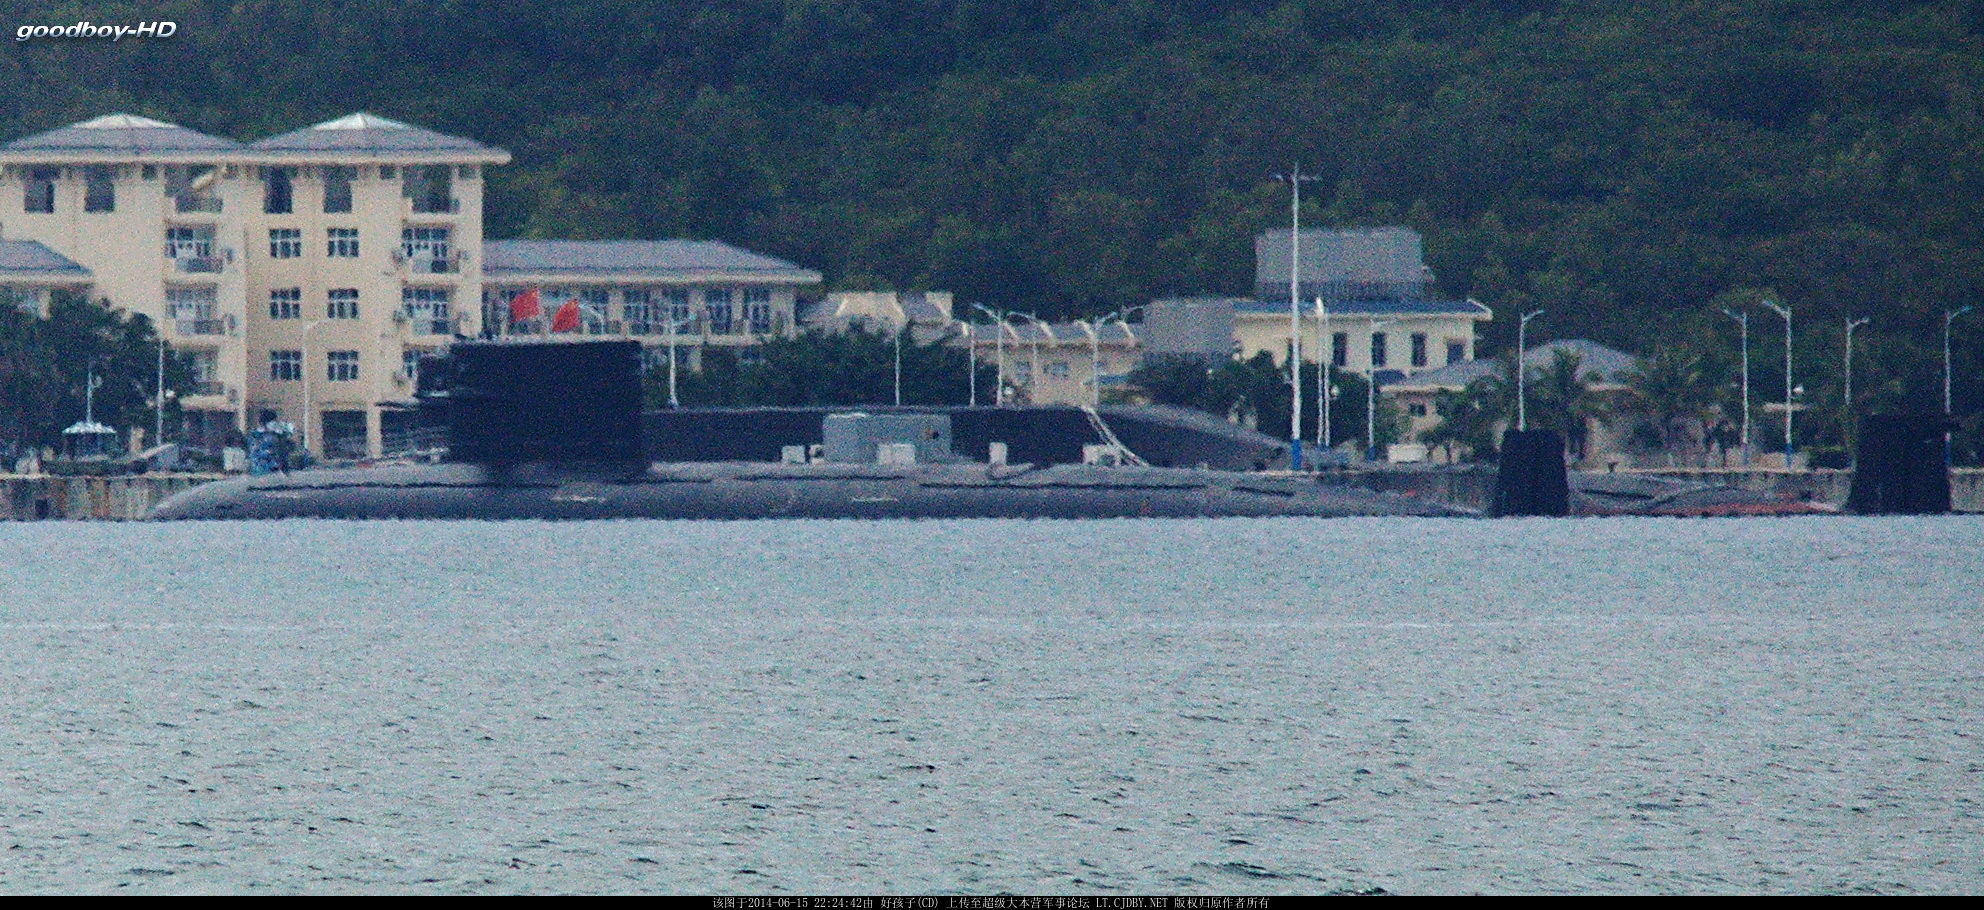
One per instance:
(158, 419)
(308, 436)
(1371, 400)
(1033, 344)
(1743, 320)
(1949, 316)
(971, 365)
(1094, 361)
(1324, 354)
(1786, 313)
(1522, 370)
(1846, 396)
(999, 343)
(1294, 179)
(673, 324)
(900, 329)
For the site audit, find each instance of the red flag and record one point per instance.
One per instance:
(567, 317)
(525, 306)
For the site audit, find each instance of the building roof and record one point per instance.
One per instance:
(371, 134)
(1024, 332)
(657, 258)
(1597, 363)
(1367, 306)
(121, 136)
(27, 257)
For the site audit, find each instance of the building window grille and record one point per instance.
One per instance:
(337, 190)
(410, 363)
(430, 189)
(678, 305)
(341, 303)
(39, 192)
(717, 303)
(427, 250)
(637, 307)
(189, 307)
(285, 303)
(99, 188)
(285, 366)
(278, 190)
(342, 243)
(1377, 349)
(189, 243)
(427, 309)
(1418, 349)
(1339, 349)
(1456, 351)
(758, 309)
(285, 243)
(341, 366)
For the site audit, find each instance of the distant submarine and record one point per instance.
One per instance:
(553, 430)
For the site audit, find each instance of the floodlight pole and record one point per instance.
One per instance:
(1522, 370)
(1743, 320)
(1294, 179)
(1325, 352)
(1786, 313)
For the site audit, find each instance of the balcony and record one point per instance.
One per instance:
(420, 262)
(430, 205)
(425, 323)
(203, 328)
(205, 387)
(186, 204)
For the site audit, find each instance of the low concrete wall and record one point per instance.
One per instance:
(128, 497)
(1821, 485)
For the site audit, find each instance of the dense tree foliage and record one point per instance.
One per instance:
(1255, 393)
(46, 363)
(819, 368)
(1622, 165)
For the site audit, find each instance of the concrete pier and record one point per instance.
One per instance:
(127, 497)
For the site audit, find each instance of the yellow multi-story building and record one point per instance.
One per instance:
(306, 273)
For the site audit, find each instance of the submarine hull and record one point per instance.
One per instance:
(763, 491)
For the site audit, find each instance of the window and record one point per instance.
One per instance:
(285, 303)
(337, 190)
(99, 188)
(1415, 409)
(427, 309)
(341, 303)
(678, 305)
(1377, 349)
(592, 309)
(386, 172)
(1456, 351)
(341, 366)
(430, 189)
(637, 307)
(285, 366)
(716, 302)
(758, 309)
(1418, 349)
(342, 243)
(189, 306)
(285, 243)
(1057, 370)
(426, 250)
(149, 172)
(39, 190)
(191, 187)
(189, 242)
(278, 190)
(1340, 349)
(410, 363)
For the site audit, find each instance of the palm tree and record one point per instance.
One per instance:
(1670, 391)
(1563, 400)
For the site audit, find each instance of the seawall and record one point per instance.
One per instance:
(129, 497)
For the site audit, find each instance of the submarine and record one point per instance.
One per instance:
(552, 430)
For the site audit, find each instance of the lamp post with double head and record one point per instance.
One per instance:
(1033, 344)
(999, 343)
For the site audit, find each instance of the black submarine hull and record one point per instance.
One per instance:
(768, 491)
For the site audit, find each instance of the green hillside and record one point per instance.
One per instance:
(1620, 164)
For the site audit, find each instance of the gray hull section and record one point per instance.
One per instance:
(757, 491)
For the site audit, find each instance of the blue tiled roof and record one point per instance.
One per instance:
(122, 135)
(27, 256)
(658, 257)
(1372, 306)
(369, 134)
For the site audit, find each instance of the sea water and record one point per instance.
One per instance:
(1099, 707)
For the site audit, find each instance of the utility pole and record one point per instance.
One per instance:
(1324, 354)
(971, 365)
(1294, 179)
(1522, 370)
(1743, 319)
(1846, 397)
(1371, 399)
(1786, 313)
(1949, 316)
(158, 419)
